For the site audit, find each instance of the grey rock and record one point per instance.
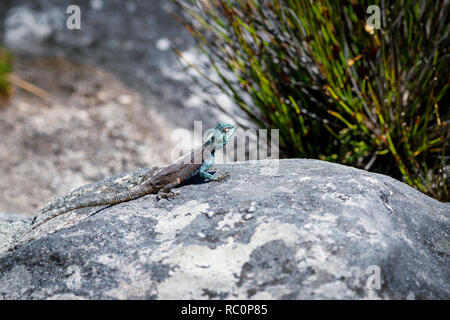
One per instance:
(319, 231)
(13, 217)
(27, 30)
(248, 216)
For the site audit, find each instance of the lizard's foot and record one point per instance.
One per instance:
(222, 176)
(166, 195)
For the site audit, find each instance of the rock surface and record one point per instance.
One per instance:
(305, 230)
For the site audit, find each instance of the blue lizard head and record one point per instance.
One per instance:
(222, 133)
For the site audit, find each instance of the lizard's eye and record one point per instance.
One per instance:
(226, 129)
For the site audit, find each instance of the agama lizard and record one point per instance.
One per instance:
(152, 180)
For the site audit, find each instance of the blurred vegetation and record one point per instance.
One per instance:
(6, 60)
(336, 88)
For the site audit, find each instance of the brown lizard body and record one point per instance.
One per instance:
(152, 180)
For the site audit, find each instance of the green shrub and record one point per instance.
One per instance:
(5, 70)
(337, 89)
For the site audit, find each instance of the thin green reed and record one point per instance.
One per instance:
(338, 89)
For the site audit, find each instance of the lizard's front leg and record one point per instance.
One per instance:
(207, 163)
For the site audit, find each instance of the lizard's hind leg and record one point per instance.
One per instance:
(149, 174)
(166, 192)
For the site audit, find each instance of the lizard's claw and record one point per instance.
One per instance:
(222, 176)
(166, 195)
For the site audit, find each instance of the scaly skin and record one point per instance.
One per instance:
(153, 180)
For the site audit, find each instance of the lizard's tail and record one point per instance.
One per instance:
(93, 201)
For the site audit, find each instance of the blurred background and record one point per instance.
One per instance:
(80, 105)
(85, 104)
